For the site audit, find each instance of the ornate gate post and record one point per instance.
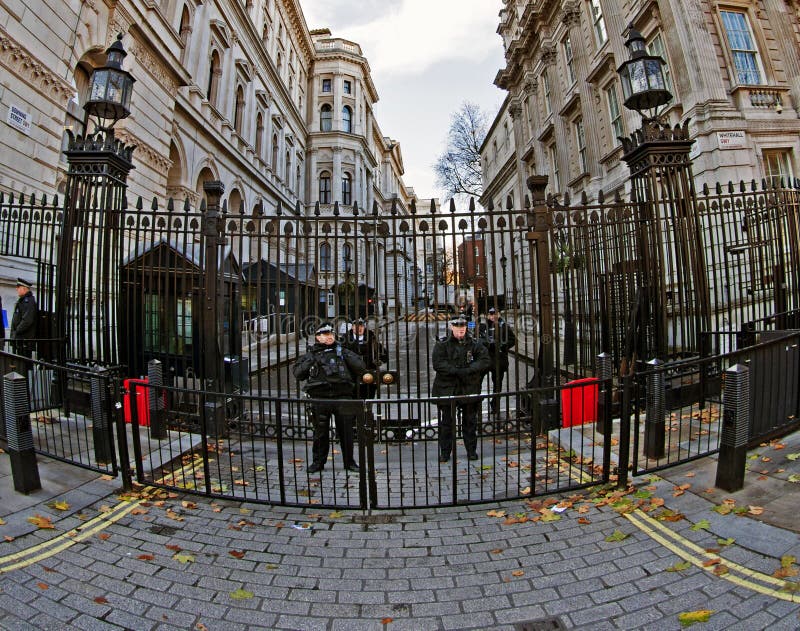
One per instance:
(212, 301)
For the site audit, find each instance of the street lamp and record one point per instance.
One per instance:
(110, 88)
(642, 77)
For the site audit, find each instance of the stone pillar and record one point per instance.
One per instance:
(336, 183)
(312, 183)
(338, 87)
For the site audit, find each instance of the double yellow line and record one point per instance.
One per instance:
(65, 540)
(697, 556)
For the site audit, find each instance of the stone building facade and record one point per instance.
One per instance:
(240, 91)
(733, 69)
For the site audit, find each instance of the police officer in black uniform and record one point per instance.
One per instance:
(499, 338)
(331, 372)
(364, 343)
(23, 323)
(460, 362)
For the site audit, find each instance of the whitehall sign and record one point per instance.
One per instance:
(731, 139)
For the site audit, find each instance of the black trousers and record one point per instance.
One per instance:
(468, 413)
(498, 374)
(344, 417)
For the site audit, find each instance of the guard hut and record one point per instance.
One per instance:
(278, 296)
(162, 289)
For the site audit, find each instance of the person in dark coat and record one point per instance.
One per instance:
(499, 338)
(23, 323)
(365, 344)
(460, 362)
(331, 373)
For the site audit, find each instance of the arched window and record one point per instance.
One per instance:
(259, 135)
(347, 189)
(347, 119)
(347, 258)
(287, 172)
(214, 74)
(274, 163)
(325, 257)
(185, 30)
(298, 181)
(238, 110)
(324, 188)
(326, 118)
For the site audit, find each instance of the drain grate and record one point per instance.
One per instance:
(167, 531)
(542, 624)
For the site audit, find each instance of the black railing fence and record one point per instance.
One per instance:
(191, 320)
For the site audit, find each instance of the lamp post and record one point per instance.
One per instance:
(642, 77)
(90, 247)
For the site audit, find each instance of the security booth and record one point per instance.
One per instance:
(277, 296)
(162, 290)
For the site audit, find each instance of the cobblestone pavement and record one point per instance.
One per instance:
(182, 562)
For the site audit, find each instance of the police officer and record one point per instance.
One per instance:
(364, 343)
(331, 372)
(499, 338)
(460, 362)
(23, 323)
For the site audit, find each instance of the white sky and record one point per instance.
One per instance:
(427, 57)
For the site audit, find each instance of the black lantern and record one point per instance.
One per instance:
(642, 76)
(110, 88)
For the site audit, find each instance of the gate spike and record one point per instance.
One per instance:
(796, 183)
(139, 203)
(203, 205)
(490, 205)
(718, 188)
(336, 208)
(374, 207)
(617, 197)
(584, 199)
(452, 205)
(21, 199)
(55, 201)
(297, 208)
(225, 207)
(355, 208)
(472, 204)
(527, 202)
(316, 209)
(241, 207)
(742, 186)
(279, 208)
(33, 199)
(44, 200)
(154, 204)
(509, 203)
(433, 206)
(601, 196)
(394, 205)
(705, 188)
(567, 199)
(2, 197)
(763, 184)
(170, 205)
(753, 185)
(730, 187)
(413, 207)
(186, 205)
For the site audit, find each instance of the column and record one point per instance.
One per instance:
(336, 184)
(338, 87)
(312, 181)
(515, 111)
(226, 96)
(358, 177)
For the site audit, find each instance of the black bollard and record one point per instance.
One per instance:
(16, 411)
(101, 416)
(155, 378)
(654, 424)
(735, 429)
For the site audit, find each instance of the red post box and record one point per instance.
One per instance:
(579, 402)
(142, 400)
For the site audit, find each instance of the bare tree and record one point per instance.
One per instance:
(458, 168)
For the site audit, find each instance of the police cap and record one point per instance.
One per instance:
(458, 321)
(324, 328)
(358, 321)
(492, 310)
(21, 282)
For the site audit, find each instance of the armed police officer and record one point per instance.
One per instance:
(460, 362)
(332, 373)
(364, 343)
(499, 338)
(23, 323)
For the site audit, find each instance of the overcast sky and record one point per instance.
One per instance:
(427, 57)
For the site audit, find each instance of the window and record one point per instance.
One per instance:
(347, 87)
(274, 163)
(548, 108)
(259, 135)
(347, 119)
(238, 110)
(614, 113)
(326, 85)
(554, 166)
(599, 22)
(325, 257)
(580, 140)
(287, 173)
(777, 165)
(184, 324)
(656, 47)
(347, 189)
(298, 180)
(570, 60)
(325, 188)
(152, 329)
(326, 118)
(745, 55)
(214, 74)
(347, 258)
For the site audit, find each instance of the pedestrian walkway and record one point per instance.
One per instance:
(673, 546)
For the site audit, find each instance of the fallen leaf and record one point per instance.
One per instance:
(106, 477)
(703, 524)
(187, 504)
(617, 535)
(101, 600)
(688, 618)
(518, 573)
(496, 513)
(720, 570)
(385, 621)
(42, 586)
(496, 551)
(726, 542)
(104, 536)
(41, 522)
(679, 567)
(145, 557)
(336, 515)
(184, 558)
(793, 456)
(241, 594)
(62, 506)
(200, 627)
(238, 554)
(583, 521)
(9, 539)
(139, 511)
(173, 547)
(691, 474)
(756, 510)
(711, 562)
